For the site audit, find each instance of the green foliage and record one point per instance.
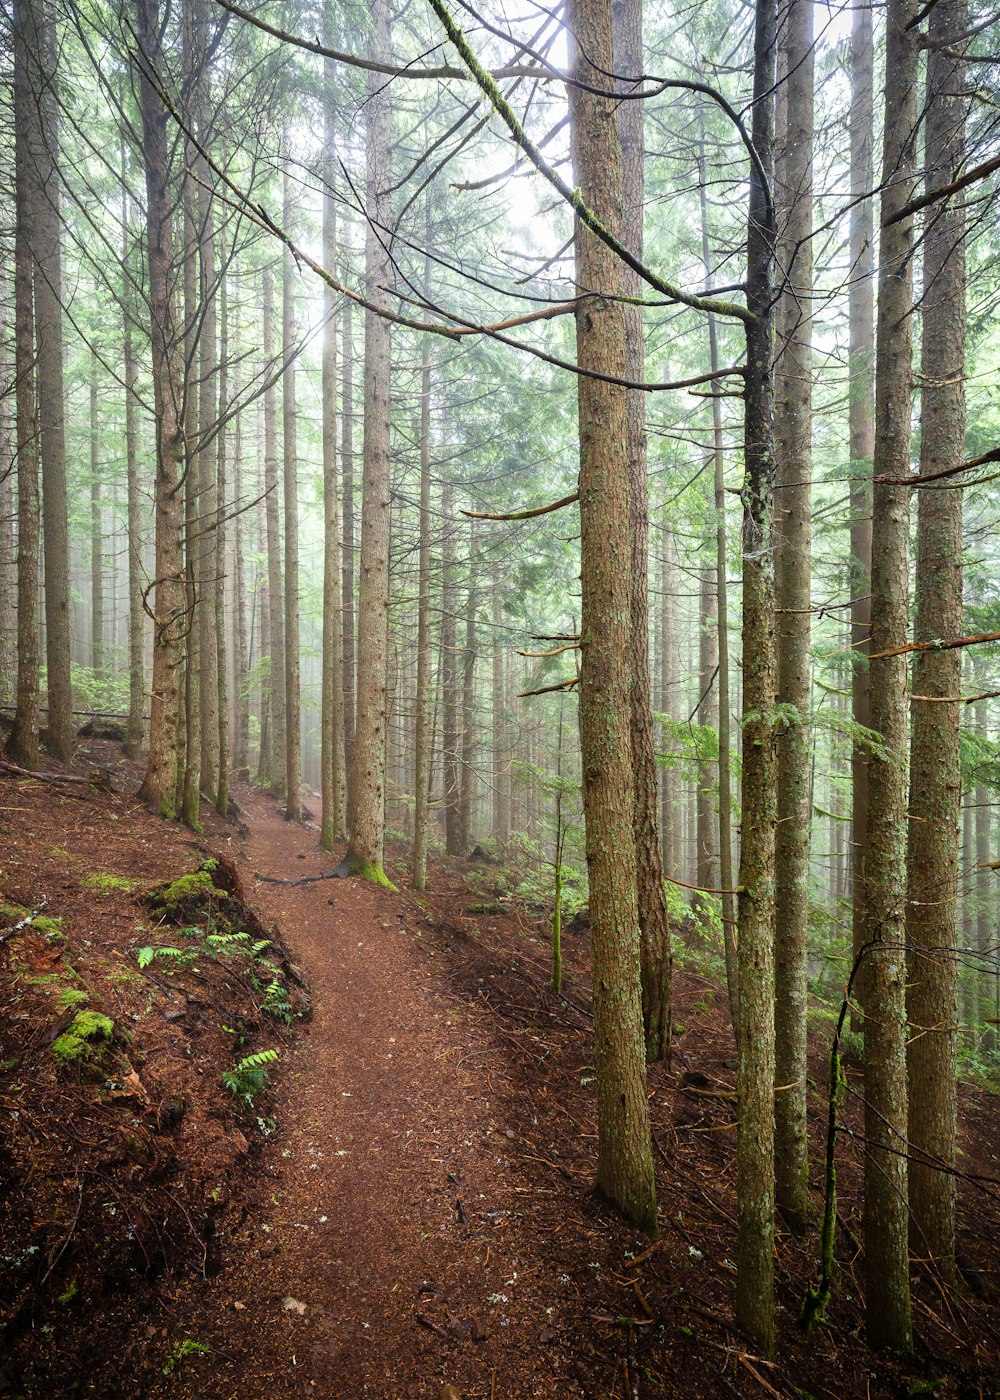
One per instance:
(72, 998)
(84, 1039)
(181, 1352)
(102, 691)
(276, 1002)
(246, 1079)
(106, 882)
(178, 957)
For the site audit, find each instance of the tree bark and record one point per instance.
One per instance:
(293, 709)
(347, 557)
(365, 852)
(275, 769)
(793, 551)
(654, 931)
(885, 1215)
(169, 610)
(450, 734)
(625, 1162)
(43, 154)
(935, 777)
(467, 773)
(218, 539)
(755, 1077)
(136, 614)
(422, 717)
(97, 643)
(861, 428)
(22, 745)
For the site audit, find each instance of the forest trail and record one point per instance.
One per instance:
(364, 1275)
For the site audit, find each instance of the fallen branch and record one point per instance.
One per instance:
(9, 932)
(96, 778)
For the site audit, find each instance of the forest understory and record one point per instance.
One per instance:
(404, 1206)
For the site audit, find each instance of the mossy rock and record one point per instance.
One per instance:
(83, 1041)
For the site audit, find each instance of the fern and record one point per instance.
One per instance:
(276, 1002)
(246, 1079)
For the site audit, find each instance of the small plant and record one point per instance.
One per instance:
(179, 957)
(106, 882)
(246, 1079)
(181, 1352)
(276, 1003)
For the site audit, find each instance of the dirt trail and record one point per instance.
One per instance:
(396, 1216)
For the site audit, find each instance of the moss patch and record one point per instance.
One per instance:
(84, 1039)
(105, 882)
(72, 998)
(186, 896)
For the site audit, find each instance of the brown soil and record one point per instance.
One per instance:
(420, 1216)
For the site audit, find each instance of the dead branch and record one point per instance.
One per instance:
(9, 933)
(529, 514)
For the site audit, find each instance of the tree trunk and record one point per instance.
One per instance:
(136, 612)
(654, 932)
(985, 950)
(449, 681)
(207, 572)
(422, 707)
(792, 562)
(22, 746)
(861, 421)
(886, 1258)
(365, 852)
(293, 709)
(625, 1161)
(935, 777)
(43, 154)
(220, 561)
(467, 785)
(501, 763)
(169, 613)
(275, 770)
(97, 642)
(728, 899)
(333, 790)
(706, 824)
(243, 645)
(755, 1078)
(347, 557)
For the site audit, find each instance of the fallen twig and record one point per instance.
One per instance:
(9, 933)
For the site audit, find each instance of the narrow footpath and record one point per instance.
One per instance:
(399, 1253)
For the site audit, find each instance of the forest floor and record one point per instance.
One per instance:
(406, 1211)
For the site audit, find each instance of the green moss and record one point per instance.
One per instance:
(83, 1040)
(105, 882)
(373, 871)
(186, 890)
(71, 998)
(71, 1291)
(13, 912)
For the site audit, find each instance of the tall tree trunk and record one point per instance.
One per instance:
(625, 1161)
(671, 809)
(347, 557)
(706, 824)
(43, 155)
(728, 898)
(333, 789)
(218, 538)
(654, 931)
(22, 746)
(792, 562)
(985, 936)
(208, 582)
(365, 851)
(136, 612)
(276, 627)
(293, 709)
(886, 1259)
(243, 647)
(189, 782)
(861, 420)
(755, 1078)
(97, 644)
(169, 612)
(935, 777)
(501, 787)
(467, 773)
(450, 735)
(422, 707)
